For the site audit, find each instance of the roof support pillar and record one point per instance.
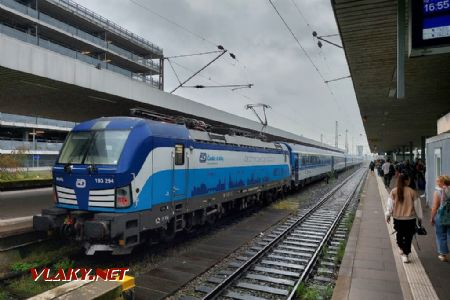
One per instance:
(404, 153)
(161, 74)
(411, 154)
(401, 37)
(422, 151)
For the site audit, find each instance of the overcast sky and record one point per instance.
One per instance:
(267, 56)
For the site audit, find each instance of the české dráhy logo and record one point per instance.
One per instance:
(204, 157)
(80, 183)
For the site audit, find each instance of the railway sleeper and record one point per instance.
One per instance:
(307, 240)
(215, 280)
(276, 271)
(242, 295)
(205, 289)
(262, 288)
(296, 253)
(288, 258)
(282, 264)
(270, 279)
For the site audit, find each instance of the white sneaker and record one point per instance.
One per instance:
(405, 258)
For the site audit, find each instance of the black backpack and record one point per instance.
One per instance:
(391, 170)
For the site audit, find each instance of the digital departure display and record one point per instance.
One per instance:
(435, 24)
(431, 6)
(430, 24)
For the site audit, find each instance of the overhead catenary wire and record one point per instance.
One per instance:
(201, 86)
(200, 37)
(303, 17)
(193, 54)
(193, 33)
(305, 20)
(184, 28)
(303, 50)
(306, 54)
(201, 69)
(301, 14)
(339, 78)
(330, 35)
(274, 110)
(297, 40)
(173, 69)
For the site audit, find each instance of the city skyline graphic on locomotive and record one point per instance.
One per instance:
(123, 181)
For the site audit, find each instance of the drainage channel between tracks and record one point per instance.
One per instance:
(279, 263)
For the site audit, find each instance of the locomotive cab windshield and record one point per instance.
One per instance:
(98, 147)
(87, 174)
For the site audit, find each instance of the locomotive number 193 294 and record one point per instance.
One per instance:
(104, 180)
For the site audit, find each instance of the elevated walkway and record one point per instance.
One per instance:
(372, 268)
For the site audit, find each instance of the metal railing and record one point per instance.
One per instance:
(35, 120)
(82, 34)
(102, 21)
(29, 145)
(75, 54)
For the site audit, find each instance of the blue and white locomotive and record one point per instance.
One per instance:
(122, 181)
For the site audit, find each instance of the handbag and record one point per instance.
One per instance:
(420, 230)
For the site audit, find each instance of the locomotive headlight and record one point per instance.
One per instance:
(123, 197)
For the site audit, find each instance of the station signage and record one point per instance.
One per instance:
(429, 27)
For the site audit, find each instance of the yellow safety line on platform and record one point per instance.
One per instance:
(417, 278)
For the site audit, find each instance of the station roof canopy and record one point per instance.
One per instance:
(368, 30)
(36, 81)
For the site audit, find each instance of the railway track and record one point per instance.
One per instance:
(279, 263)
(18, 239)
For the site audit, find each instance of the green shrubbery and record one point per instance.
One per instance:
(26, 287)
(11, 168)
(314, 292)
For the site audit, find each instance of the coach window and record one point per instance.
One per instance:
(179, 154)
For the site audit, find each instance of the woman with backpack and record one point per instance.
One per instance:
(440, 216)
(404, 206)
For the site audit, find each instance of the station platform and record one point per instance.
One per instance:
(18, 207)
(372, 267)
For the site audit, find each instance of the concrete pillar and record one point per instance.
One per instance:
(404, 154)
(161, 74)
(422, 150)
(411, 155)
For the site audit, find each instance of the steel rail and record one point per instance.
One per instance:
(309, 267)
(221, 287)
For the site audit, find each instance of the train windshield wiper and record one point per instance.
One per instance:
(68, 167)
(92, 168)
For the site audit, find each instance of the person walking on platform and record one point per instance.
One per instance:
(404, 206)
(420, 170)
(440, 197)
(372, 166)
(386, 168)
